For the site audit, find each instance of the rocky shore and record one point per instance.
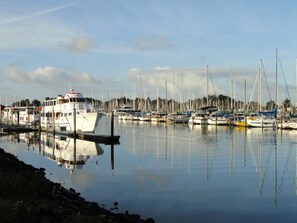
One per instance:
(26, 195)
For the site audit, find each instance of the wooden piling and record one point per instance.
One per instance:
(53, 120)
(112, 155)
(74, 121)
(112, 124)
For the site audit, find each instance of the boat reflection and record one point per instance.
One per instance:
(69, 152)
(65, 151)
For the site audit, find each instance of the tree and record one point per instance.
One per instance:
(36, 103)
(287, 104)
(270, 105)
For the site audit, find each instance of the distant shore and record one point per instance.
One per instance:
(26, 195)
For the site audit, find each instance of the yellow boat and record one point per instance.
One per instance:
(241, 123)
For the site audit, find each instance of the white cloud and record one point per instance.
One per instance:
(153, 44)
(13, 74)
(161, 68)
(46, 76)
(134, 69)
(84, 78)
(79, 44)
(191, 82)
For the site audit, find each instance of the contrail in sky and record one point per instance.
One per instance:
(9, 21)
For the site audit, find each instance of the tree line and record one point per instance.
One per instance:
(223, 102)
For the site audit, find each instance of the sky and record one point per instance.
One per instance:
(147, 48)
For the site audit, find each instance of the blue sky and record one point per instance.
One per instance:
(108, 48)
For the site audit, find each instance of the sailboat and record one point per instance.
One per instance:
(265, 119)
(219, 118)
(201, 116)
(288, 121)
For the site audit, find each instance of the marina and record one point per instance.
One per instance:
(175, 172)
(180, 112)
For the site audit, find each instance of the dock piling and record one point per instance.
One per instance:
(112, 124)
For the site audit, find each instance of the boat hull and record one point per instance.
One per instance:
(262, 123)
(86, 122)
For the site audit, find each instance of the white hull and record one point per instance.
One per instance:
(126, 117)
(144, 119)
(198, 121)
(158, 119)
(218, 118)
(284, 125)
(262, 123)
(293, 125)
(84, 123)
(218, 121)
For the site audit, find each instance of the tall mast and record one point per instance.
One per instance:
(172, 95)
(207, 85)
(260, 86)
(234, 105)
(245, 106)
(134, 97)
(158, 105)
(296, 81)
(231, 101)
(166, 102)
(276, 78)
(180, 94)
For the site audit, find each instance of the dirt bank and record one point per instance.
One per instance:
(27, 196)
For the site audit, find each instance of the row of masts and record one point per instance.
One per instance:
(172, 105)
(224, 103)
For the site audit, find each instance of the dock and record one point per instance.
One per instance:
(104, 139)
(9, 129)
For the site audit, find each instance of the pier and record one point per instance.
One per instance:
(105, 139)
(10, 129)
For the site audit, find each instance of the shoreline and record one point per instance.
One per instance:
(26, 195)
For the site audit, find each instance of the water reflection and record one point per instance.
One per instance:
(65, 151)
(199, 170)
(69, 152)
(219, 150)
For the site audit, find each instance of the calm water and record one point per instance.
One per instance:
(176, 173)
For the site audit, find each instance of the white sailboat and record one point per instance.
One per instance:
(264, 119)
(219, 118)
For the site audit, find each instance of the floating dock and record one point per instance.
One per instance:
(16, 129)
(105, 139)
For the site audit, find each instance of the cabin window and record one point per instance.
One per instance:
(63, 128)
